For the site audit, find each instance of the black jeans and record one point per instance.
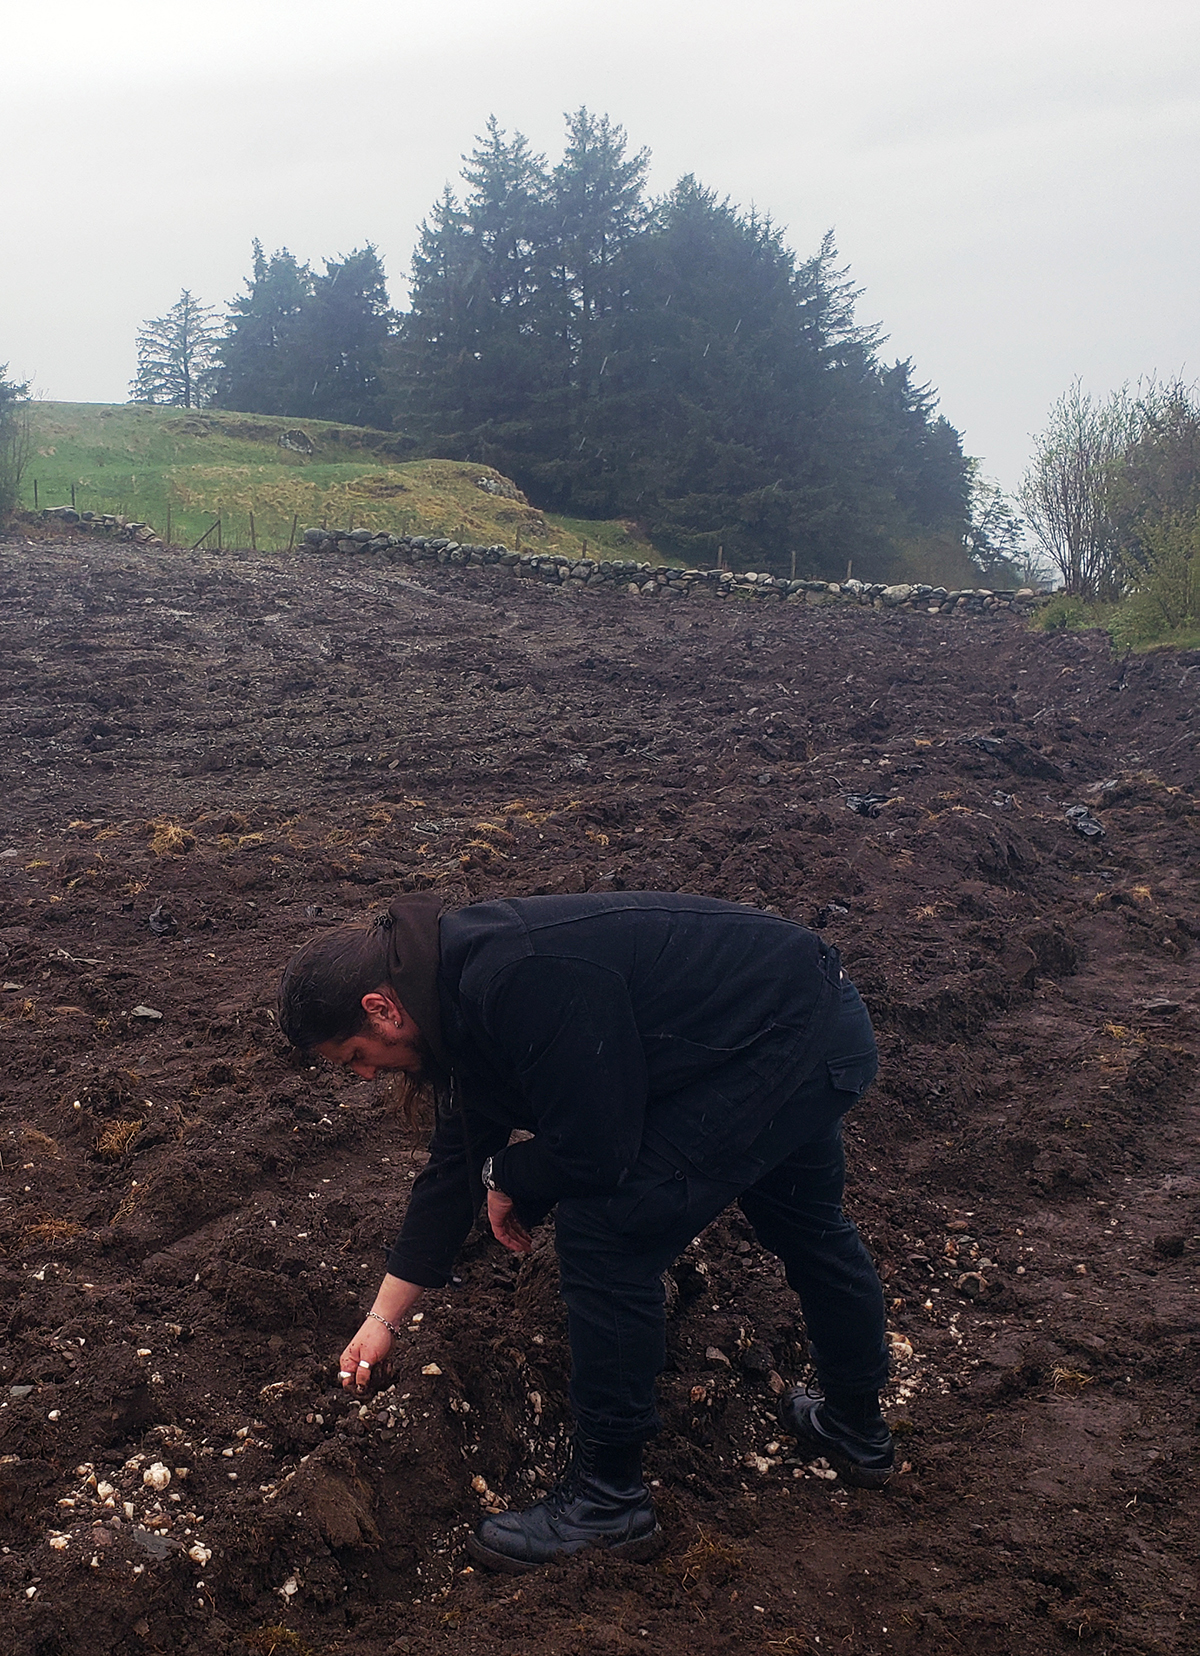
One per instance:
(613, 1250)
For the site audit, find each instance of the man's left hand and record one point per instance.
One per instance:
(506, 1227)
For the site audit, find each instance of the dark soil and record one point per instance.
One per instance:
(206, 760)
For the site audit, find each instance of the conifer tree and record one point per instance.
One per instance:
(177, 356)
(342, 333)
(312, 346)
(596, 211)
(259, 353)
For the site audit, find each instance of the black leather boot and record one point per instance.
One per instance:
(601, 1501)
(849, 1432)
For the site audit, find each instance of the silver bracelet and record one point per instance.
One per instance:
(391, 1327)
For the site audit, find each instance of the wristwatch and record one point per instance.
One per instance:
(485, 1173)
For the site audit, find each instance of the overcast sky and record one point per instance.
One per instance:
(1013, 183)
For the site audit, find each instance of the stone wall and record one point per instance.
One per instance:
(658, 581)
(99, 523)
(638, 580)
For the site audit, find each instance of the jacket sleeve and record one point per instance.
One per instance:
(445, 1198)
(566, 1030)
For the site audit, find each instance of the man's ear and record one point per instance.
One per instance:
(382, 1003)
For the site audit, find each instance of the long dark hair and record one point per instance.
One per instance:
(320, 999)
(321, 991)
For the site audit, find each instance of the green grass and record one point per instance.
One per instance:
(180, 469)
(1125, 623)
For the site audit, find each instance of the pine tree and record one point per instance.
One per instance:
(436, 348)
(472, 352)
(596, 211)
(341, 339)
(259, 356)
(178, 356)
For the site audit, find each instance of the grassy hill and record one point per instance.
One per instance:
(179, 469)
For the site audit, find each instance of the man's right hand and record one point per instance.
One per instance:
(365, 1356)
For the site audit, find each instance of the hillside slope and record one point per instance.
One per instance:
(178, 469)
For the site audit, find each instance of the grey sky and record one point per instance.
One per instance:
(1013, 186)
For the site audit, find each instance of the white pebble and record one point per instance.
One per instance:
(431, 1368)
(58, 1542)
(199, 1553)
(157, 1475)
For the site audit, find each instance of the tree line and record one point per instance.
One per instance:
(668, 360)
(1112, 495)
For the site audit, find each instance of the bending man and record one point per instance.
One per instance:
(670, 1055)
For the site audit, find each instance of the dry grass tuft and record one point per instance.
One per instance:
(126, 1207)
(268, 1640)
(1118, 1032)
(709, 1557)
(116, 1139)
(1069, 1380)
(50, 1231)
(168, 839)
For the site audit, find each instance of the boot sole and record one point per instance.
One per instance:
(635, 1551)
(862, 1477)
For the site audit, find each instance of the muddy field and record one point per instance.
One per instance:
(206, 760)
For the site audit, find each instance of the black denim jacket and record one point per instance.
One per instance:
(595, 1021)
